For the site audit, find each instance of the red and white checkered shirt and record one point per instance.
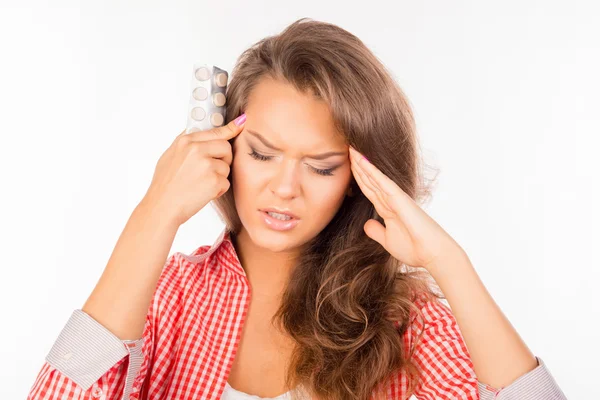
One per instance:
(193, 327)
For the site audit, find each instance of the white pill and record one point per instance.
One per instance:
(198, 113)
(200, 93)
(221, 79)
(219, 99)
(202, 74)
(216, 119)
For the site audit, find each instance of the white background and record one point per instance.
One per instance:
(506, 96)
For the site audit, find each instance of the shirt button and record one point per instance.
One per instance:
(97, 392)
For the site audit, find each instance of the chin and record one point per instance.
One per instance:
(273, 240)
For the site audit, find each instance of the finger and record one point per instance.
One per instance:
(390, 192)
(375, 197)
(184, 132)
(367, 182)
(361, 178)
(226, 132)
(220, 167)
(376, 178)
(365, 179)
(218, 149)
(382, 198)
(177, 138)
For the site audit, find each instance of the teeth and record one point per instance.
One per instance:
(281, 217)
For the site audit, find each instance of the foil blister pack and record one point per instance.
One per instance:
(207, 104)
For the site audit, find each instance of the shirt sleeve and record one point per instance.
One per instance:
(447, 370)
(537, 384)
(88, 361)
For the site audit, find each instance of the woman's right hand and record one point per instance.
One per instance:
(192, 172)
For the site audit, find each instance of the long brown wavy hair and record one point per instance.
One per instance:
(348, 302)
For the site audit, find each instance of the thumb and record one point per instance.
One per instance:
(375, 230)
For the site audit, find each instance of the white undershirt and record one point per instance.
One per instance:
(232, 394)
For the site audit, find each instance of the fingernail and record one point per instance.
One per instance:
(240, 120)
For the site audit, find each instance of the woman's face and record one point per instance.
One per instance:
(279, 161)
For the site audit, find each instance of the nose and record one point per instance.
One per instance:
(286, 181)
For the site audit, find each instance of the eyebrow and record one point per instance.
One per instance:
(321, 156)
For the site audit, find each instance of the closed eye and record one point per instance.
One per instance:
(324, 172)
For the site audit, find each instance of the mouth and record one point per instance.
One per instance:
(279, 221)
(279, 214)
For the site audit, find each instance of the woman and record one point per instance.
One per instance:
(320, 285)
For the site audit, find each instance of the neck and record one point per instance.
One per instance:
(268, 272)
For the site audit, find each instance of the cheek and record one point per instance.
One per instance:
(245, 174)
(326, 195)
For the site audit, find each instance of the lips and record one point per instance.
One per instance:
(279, 211)
(277, 224)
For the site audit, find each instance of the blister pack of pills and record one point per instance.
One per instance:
(207, 107)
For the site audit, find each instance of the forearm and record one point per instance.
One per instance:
(122, 296)
(498, 353)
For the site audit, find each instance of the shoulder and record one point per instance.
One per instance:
(172, 277)
(432, 322)
(439, 350)
(178, 263)
(433, 312)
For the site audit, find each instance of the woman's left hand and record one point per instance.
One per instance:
(410, 235)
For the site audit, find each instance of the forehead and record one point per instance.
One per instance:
(288, 117)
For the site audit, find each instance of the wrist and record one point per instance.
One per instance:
(451, 262)
(158, 213)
